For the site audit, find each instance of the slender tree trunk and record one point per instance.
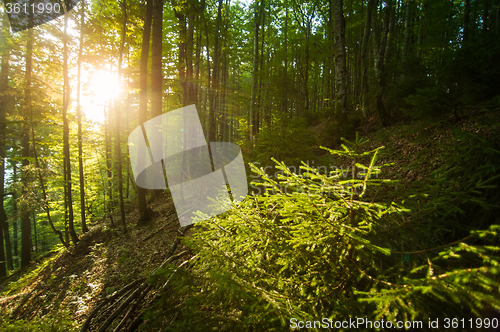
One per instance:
(127, 127)
(259, 110)
(197, 65)
(255, 71)
(67, 155)
(340, 109)
(306, 64)
(182, 56)
(44, 194)
(486, 13)
(285, 69)
(4, 104)
(156, 68)
(79, 115)
(363, 56)
(107, 139)
(25, 178)
(191, 96)
(381, 67)
(408, 27)
(144, 215)
(156, 57)
(214, 95)
(118, 149)
(208, 93)
(466, 21)
(14, 213)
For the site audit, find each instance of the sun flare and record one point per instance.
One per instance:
(101, 88)
(104, 86)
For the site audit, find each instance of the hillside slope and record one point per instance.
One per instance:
(66, 287)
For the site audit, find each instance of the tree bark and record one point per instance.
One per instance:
(156, 68)
(79, 115)
(118, 149)
(408, 27)
(284, 96)
(25, 178)
(107, 139)
(44, 194)
(14, 213)
(466, 22)
(254, 107)
(4, 104)
(190, 96)
(156, 57)
(67, 156)
(363, 57)
(144, 215)
(181, 17)
(340, 108)
(381, 67)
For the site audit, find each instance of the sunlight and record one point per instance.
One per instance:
(101, 87)
(104, 85)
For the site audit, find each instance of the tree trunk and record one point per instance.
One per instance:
(408, 27)
(14, 213)
(25, 178)
(466, 22)
(107, 139)
(156, 57)
(340, 108)
(254, 107)
(156, 68)
(4, 104)
(363, 57)
(284, 96)
(44, 194)
(67, 156)
(381, 68)
(144, 215)
(118, 149)
(182, 56)
(79, 115)
(190, 96)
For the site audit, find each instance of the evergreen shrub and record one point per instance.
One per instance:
(315, 246)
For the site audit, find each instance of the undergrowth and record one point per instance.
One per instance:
(316, 246)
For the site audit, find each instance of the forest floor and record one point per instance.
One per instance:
(75, 280)
(104, 260)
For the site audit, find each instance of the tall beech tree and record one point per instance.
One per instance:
(67, 155)
(25, 176)
(79, 115)
(340, 105)
(118, 149)
(144, 212)
(4, 104)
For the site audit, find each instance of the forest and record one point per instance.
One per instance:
(370, 134)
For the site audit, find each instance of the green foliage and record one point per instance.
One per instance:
(32, 273)
(315, 246)
(429, 102)
(60, 322)
(285, 139)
